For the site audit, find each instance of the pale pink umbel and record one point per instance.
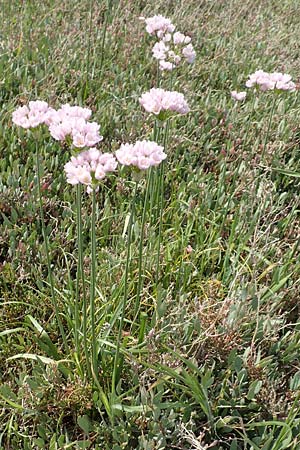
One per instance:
(72, 121)
(89, 167)
(239, 96)
(271, 81)
(159, 26)
(159, 100)
(172, 50)
(32, 115)
(142, 154)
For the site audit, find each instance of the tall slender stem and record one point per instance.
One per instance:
(93, 285)
(154, 179)
(86, 84)
(100, 69)
(125, 294)
(161, 203)
(245, 137)
(141, 244)
(81, 277)
(269, 125)
(46, 243)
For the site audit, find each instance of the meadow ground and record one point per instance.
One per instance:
(208, 355)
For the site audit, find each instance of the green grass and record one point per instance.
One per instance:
(212, 358)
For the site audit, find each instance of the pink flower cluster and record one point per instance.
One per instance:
(158, 101)
(73, 121)
(172, 47)
(32, 115)
(89, 167)
(66, 121)
(158, 25)
(142, 154)
(239, 96)
(271, 81)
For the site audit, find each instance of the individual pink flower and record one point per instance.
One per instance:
(180, 38)
(85, 134)
(178, 46)
(174, 57)
(167, 37)
(89, 167)
(32, 115)
(59, 131)
(261, 79)
(51, 117)
(282, 81)
(166, 65)
(159, 26)
(158, 101)
(189, 53)
(160, 50)
(239, 96)
(76, 111)
(141, 155)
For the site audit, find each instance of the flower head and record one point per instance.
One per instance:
(160, 50)
(166, 65)
(189, 53)
(73, 121)
(141, 155)
(239, 96)
(159, 26)
(170, 55)
(159, 101)
(271, 81)
(32, 115)
(89, 167)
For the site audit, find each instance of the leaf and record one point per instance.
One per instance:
(273, 289)
(295, 381)
(43, 338)
(12, 330)
(9, 397)
(52, 444)
(131, 409)
(287, 172)
(43, 359)
(126, 222)
(83, 444)
(85, 423)
(254, 389)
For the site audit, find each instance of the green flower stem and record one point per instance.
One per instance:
(87, 70)
(269, 125)
(153, 192)
(161, 202)
(81, 277)
(141, 245)
(157, 74)
(117, 367)
(249, 120)
(93, 286)
(46, 243)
